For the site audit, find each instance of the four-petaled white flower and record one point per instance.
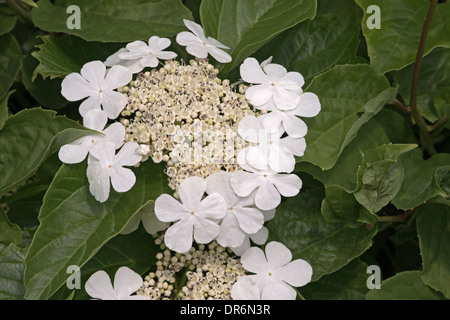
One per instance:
(271, 82)
(95, 119)
(242, 217)
(97, 84)
(270, 152)
(309, 106)
(139, 54)
(126, 282)
(276, 267)
(149, 220)
(194, 217)
(199, 45)
(105, 168)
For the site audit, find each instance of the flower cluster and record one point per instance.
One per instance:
(230, 153)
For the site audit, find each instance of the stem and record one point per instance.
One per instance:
(402, 107)
(401, 217)
(425, 136)
(23, 13)
(438, 124)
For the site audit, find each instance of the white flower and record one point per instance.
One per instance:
(95, 119)
(309, 106)
(199, 46)
(193, 217)
(268, 185)
(140, 54)
(247, 289)
(149, 220)
(105, 166)
(270, 152)
(276, 267)
(242, 217)
(271, 82)
(98, 84)
(134, 66)
(126, 282)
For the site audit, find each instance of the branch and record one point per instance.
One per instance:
(425, 136)
(401, 106)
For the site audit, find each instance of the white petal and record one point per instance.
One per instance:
(251, 72)
(178, 237)
(271, 121)
(292, 81)
(95, 119)
(197, 50)
(285, 99)
(196, 29)
(254, 260)
(240, 250)
(127, 155)
(150, 61)
(104, 152)
(191, 191)
(212, 207)
(75, 153)
(114, 58)
(122, 179)
(275, 70)
(99, 184)
(288, 185)
(186, 38)
(113, 103)
(216, 43)
(167, 209)
(99, 286)
(309, 105)
(267, 197)
(259, 95)
(295, 127)
(244, 183)
(115, 133)
(268, 214)
(116, 77)
(261, 236)
(94, 72)
(74, 87)
(151, 223)
(205, 230)
(280, 160)
(230, 234)
(297, 273)
(250, 219)
(278, 291)
(250, 129)
(166, 55)
(135, 46)
(91, 103)
(266, 62)
(156, 43)
(220, 183)
(218, 54)
(245, 289)
(126, 282)
(257, 157)
(277, 255)
(295, 146)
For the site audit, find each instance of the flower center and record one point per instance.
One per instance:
(265, 176)
(109, 166)
(192, 213)
(100, 91)
(270, 274)
(272, 84)
(92, 141)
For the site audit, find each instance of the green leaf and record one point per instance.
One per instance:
(7, 19)
(28, 138)
(9, 232)
(245, 26)
(11, 273)
(10, 62)
(342, 98)
(402, 132)
(4, 113)
(114, 20)
(326, 246)
(59, 56)
(420, 183)
(401, 27)
(432, 77)
(407, 285)
(348, 283)
(344, 173)
(433, 227)
(312, 47)
(74, 226)
(339, 205)
(47, 92)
